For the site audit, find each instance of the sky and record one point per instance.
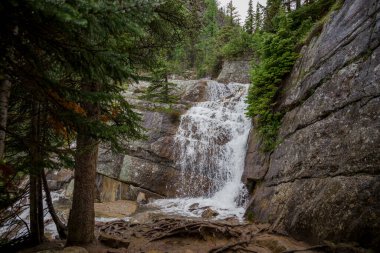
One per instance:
(242, 6)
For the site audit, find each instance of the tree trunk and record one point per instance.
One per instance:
(36, 224)
(82, 215)
(35, 196)
(61, 228)
(298, 4)
(5, 91)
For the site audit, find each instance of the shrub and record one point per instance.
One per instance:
(276, 52)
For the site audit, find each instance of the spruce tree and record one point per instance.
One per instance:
(232, 14)
(73, 58)
(272, 9)
(259, 17)
(160, 89)
(249, 25)
(206, 46)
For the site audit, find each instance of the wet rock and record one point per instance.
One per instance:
(150, 163)
(196, 93)
(194, 207)
(58, 179)
(109, 189)
(235, 71)
(141, 198)
(322, 182)
(209, 213)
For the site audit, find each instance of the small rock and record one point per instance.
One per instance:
(113, 242)
(209, 213)
(141, 198)
(194, 207)
(70, 189)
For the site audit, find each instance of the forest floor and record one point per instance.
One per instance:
(152, 232)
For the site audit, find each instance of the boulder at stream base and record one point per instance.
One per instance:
(322, 182)
(209, 213)
(141, 198)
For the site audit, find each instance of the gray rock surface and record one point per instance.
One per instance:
(149, 165)
(235, 71)
(323, 181)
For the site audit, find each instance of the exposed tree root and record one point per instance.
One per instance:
(170, 234)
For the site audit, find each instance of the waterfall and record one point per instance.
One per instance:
(210, 147)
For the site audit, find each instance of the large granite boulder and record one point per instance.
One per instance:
(323, 181)
(236, 71)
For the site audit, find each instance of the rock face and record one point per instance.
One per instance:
(235, 71)
(323, 181)
(109, 190)
(149, 166)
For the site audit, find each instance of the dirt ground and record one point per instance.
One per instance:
(148, 231)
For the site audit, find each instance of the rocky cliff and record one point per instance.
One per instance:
(149, 165)
(322, 182)
(235, 71)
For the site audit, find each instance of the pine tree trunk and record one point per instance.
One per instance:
(82, 215)
(36, 224)
(35, 195)
(5, 91)
(61, 228)
(298, 4)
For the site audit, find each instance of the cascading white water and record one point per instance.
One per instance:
(210, 148)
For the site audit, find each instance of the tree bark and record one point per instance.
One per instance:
(82, 215)
(36, 225)
(61, 228)
(298, 4)
(5, 91)
(35, 195)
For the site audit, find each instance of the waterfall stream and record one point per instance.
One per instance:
(210, 149)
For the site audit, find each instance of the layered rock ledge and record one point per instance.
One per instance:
(323, 181)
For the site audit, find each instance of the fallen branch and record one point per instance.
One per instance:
(317, 247)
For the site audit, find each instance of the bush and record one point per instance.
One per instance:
(239, 44)
(276, 52)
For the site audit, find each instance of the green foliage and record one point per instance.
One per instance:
(276, 47)
(277, 55)
(52, 50)
(249, 25)
(214, 37)
(206, 50)
(160, 90)
(272, 9)
(312, 12)
(232, 15)
(250, 216)
(238, 43)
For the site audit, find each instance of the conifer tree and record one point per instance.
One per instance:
(232, 14)
(208, 33)
(160, 89)
(74, 57)
(272, 9)
(259, 17)
(249, 25)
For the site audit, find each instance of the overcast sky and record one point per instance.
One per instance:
(242, 6)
